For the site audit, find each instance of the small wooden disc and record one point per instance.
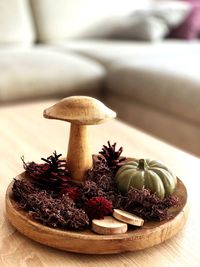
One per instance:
(127, 217)
(109, 226)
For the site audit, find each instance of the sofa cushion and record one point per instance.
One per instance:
(104, 51)
(163, 125)
(78, 18)
(107, 52)
(38, 72)
(142, 27)
(170, 83)
(150, 24)
(16, 25)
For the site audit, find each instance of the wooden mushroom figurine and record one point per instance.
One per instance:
(81, 111)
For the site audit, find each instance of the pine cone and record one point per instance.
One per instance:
(112, 157)
(51, 175)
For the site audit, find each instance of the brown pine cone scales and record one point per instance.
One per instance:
(112, 156)
(51, 175)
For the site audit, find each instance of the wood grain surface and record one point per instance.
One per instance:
(23, 131)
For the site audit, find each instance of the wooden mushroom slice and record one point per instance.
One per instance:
(127, 217)
(80, 111)
(108, 226)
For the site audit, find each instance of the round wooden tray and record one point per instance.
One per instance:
(152, 233)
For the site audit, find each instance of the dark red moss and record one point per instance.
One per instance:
(72, 192)
(102, 175)
(98, 207)
(54, 212)
(147, 205)
(90, 189)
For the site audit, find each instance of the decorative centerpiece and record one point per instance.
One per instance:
(82, 202)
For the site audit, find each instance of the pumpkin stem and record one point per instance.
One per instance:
(142, 165)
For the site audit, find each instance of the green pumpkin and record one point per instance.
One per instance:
(146, 173)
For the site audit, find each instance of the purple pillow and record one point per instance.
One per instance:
(190, 28)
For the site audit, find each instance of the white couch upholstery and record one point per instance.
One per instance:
(166, 126)
(16, 24)
(38, 72)
(108, 52)
(170, 83)
(67, 19)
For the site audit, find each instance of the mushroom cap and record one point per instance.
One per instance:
(80, 110)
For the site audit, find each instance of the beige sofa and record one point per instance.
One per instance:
(155, 87)
(50, 52)
(31, 69)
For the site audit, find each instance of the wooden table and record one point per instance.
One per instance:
(23, 131)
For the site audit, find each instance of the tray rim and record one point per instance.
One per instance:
(124, 242)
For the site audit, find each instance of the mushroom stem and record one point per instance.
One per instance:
(79, 155)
